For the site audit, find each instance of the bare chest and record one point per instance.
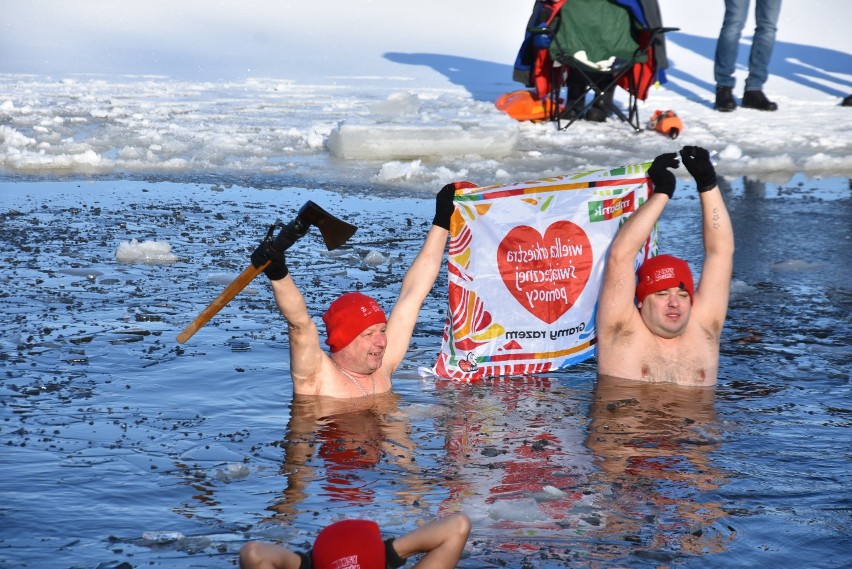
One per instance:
(686, 360)
(346, 385)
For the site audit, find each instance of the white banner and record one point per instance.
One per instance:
(525, 266)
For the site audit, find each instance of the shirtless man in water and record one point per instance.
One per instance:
(663, 329)
(365, 347)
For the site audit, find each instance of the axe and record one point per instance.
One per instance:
(335, 232)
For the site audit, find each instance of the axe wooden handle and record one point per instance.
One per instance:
(335, 233)
(220, 301)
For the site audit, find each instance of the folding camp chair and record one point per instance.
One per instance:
(607, 43)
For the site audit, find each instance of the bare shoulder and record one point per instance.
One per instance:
(319, 380)
(622, 347)
(622, 330)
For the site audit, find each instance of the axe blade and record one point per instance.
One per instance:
(335, 232)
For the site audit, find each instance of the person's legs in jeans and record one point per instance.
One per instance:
(766, 15)
(727, 46)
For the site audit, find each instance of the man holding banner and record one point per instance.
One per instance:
(365, 347)
(662, 329)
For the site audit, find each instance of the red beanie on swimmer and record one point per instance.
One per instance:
(349, 544)
(348, 316)
(662, 272)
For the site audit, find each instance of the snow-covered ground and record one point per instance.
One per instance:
(380, 92)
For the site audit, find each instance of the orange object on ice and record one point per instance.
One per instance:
(666, 122)
(524, 106)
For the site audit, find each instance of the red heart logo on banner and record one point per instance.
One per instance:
(546, 273)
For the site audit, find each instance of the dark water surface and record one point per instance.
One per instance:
(120, 445)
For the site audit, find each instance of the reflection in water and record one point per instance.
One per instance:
(652, 444)
(516, 464)
(339, 445)
(540, 478)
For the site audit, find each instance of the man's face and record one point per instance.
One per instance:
(666, 312)
(364, 354)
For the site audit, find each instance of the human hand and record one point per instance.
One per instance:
(444, 206)
(661, 177)
(266, 251)
(697, 161)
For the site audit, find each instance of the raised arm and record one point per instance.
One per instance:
(306, 355)
(711, 298)
(305, 351)
(418, 281)
(442, 540)
(616, 302)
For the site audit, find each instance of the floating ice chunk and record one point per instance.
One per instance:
(162, 536)
(233, 471)
(740, 287)
(397, 170)
(374, 258)
(406, 127)
(549, 494)
(151, 252)
(554, 492)
(368, 140)
(89, 273)
(11, 138)
(174, 540)
(794, 265)
(731, 152)
(222, 278)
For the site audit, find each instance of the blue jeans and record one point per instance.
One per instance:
(736, 14)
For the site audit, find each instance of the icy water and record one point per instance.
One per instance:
(120, 446)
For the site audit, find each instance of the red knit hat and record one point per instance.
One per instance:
(662, 272)
(349, 544)
(348, 316)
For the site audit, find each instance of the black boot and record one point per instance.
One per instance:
(725, 99)
(601, 110)
(575, 95)
(571, 112)
(757, 100)
(847, 102)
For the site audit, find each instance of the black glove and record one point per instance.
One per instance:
(266, 251)
(662, 178)
(444, 206)
(697, 161)
(392, 558)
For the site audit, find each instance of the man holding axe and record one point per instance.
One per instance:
(365, 346)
